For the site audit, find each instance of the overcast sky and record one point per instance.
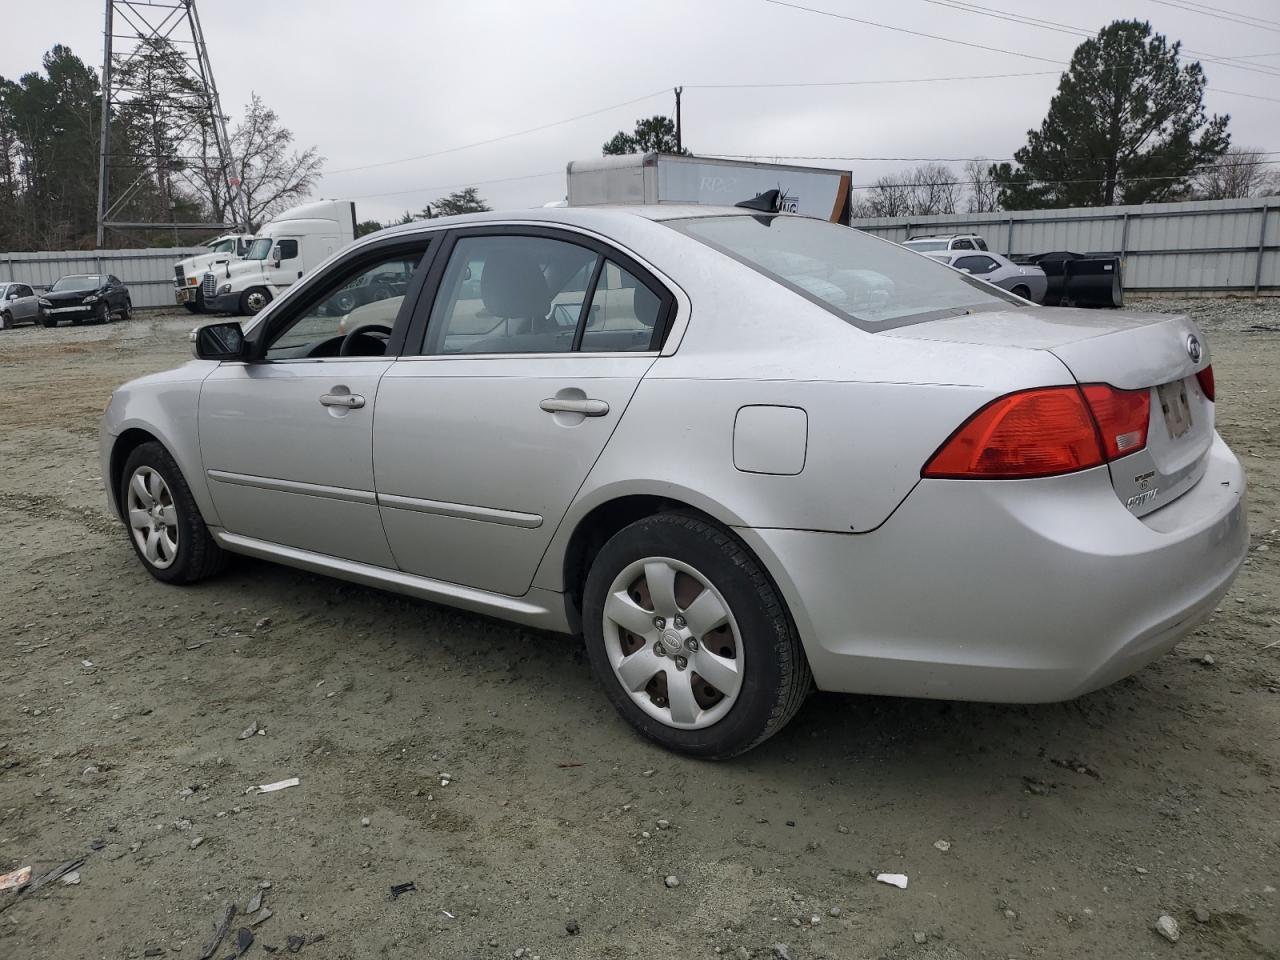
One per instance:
(382, 80)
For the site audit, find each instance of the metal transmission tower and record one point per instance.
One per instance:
(158, 88)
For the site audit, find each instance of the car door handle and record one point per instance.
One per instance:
(588, 408)
(352, 401)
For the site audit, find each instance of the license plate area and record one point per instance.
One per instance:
(1176, 407)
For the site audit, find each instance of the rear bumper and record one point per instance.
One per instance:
(1014, 591)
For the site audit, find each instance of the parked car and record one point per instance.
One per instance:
(946, 242)
(748, 453)
(18, 304)
(1023, 280)
(100, 297)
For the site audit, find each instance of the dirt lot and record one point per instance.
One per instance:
(1072, 827)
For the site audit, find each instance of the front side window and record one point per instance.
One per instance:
(288, 249)
(510, 294)
(259, 249)
(866, 281)
(350, 316)
(223, 246)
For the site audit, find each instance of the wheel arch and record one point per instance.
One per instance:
(127, 442)
(579, 540)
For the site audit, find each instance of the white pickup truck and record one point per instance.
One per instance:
(280, 254)
(189, 272)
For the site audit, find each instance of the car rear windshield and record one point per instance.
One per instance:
(872, 284)
(77, 284)
(922, 245)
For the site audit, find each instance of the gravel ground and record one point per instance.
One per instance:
(481, 763)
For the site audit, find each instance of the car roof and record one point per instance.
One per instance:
(595, 216)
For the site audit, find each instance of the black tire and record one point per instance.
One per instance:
(1021, 291)
(260, 296)
(198, 556)
(102, 312)
(6, 321)
(48, 322)
(192, 306)
(127, 312)
(776, 678)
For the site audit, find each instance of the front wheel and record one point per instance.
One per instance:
(253, 300)
(48, 322)
(127, 312)
(102, 313)
(192, 306)
(165, 527)
(690, 638)
(6, 321)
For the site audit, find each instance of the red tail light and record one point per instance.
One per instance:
(1045, 432)
(1122, 417)
(1205, 377)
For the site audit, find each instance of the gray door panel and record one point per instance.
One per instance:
(475, 468)
(288, 454)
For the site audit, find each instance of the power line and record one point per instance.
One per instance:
(793, 156)
(498, 139)
(1241, 93)
(456, 186)
(914, 33)
(861, 83)
(965, 7)
(1218, 13)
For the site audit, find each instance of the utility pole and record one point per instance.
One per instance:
(679, 141)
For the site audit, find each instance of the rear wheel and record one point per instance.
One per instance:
(165, 527)
(127, 312)
(1021, 291)
(690, 638)
(253, 300)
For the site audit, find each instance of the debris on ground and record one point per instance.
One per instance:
(943, 845)
(254, 902)
(571, 928)
(248, 732)
(672, 881)
(220, 929)
(295, 942)
(260, 917)
(1202, 914)
(898, 880)
(781, 952)
(1167, 927)
(278, 785)
(401, 888)
(244, 940)
(71, 879)
(18, 878)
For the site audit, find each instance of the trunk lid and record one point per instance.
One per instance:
(1158, 353)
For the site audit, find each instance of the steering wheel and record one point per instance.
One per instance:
(366, 329)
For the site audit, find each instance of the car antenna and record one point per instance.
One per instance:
(768, 202)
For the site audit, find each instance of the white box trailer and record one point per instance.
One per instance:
(670, 178)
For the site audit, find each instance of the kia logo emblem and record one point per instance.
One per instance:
(1193, 348)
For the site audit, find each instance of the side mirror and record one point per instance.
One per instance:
(275, 254)
(220, 341)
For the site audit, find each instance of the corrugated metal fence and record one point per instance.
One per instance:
(148, 272)
(1199, 246)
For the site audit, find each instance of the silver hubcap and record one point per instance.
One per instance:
(257, 301)
(153, 518)
(673, 643)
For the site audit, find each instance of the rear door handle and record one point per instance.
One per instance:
(352, 401)
(588, 408)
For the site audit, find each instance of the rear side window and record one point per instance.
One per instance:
(975, 264)
(872, 284)
(962, 245)
(622, 315)
(513, 294)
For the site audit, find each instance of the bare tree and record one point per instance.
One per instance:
(925, 191)
(1240, 172)
(984, 189)
(272, 176)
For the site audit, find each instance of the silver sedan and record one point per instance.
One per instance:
(742, 454)
(1024, 280)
